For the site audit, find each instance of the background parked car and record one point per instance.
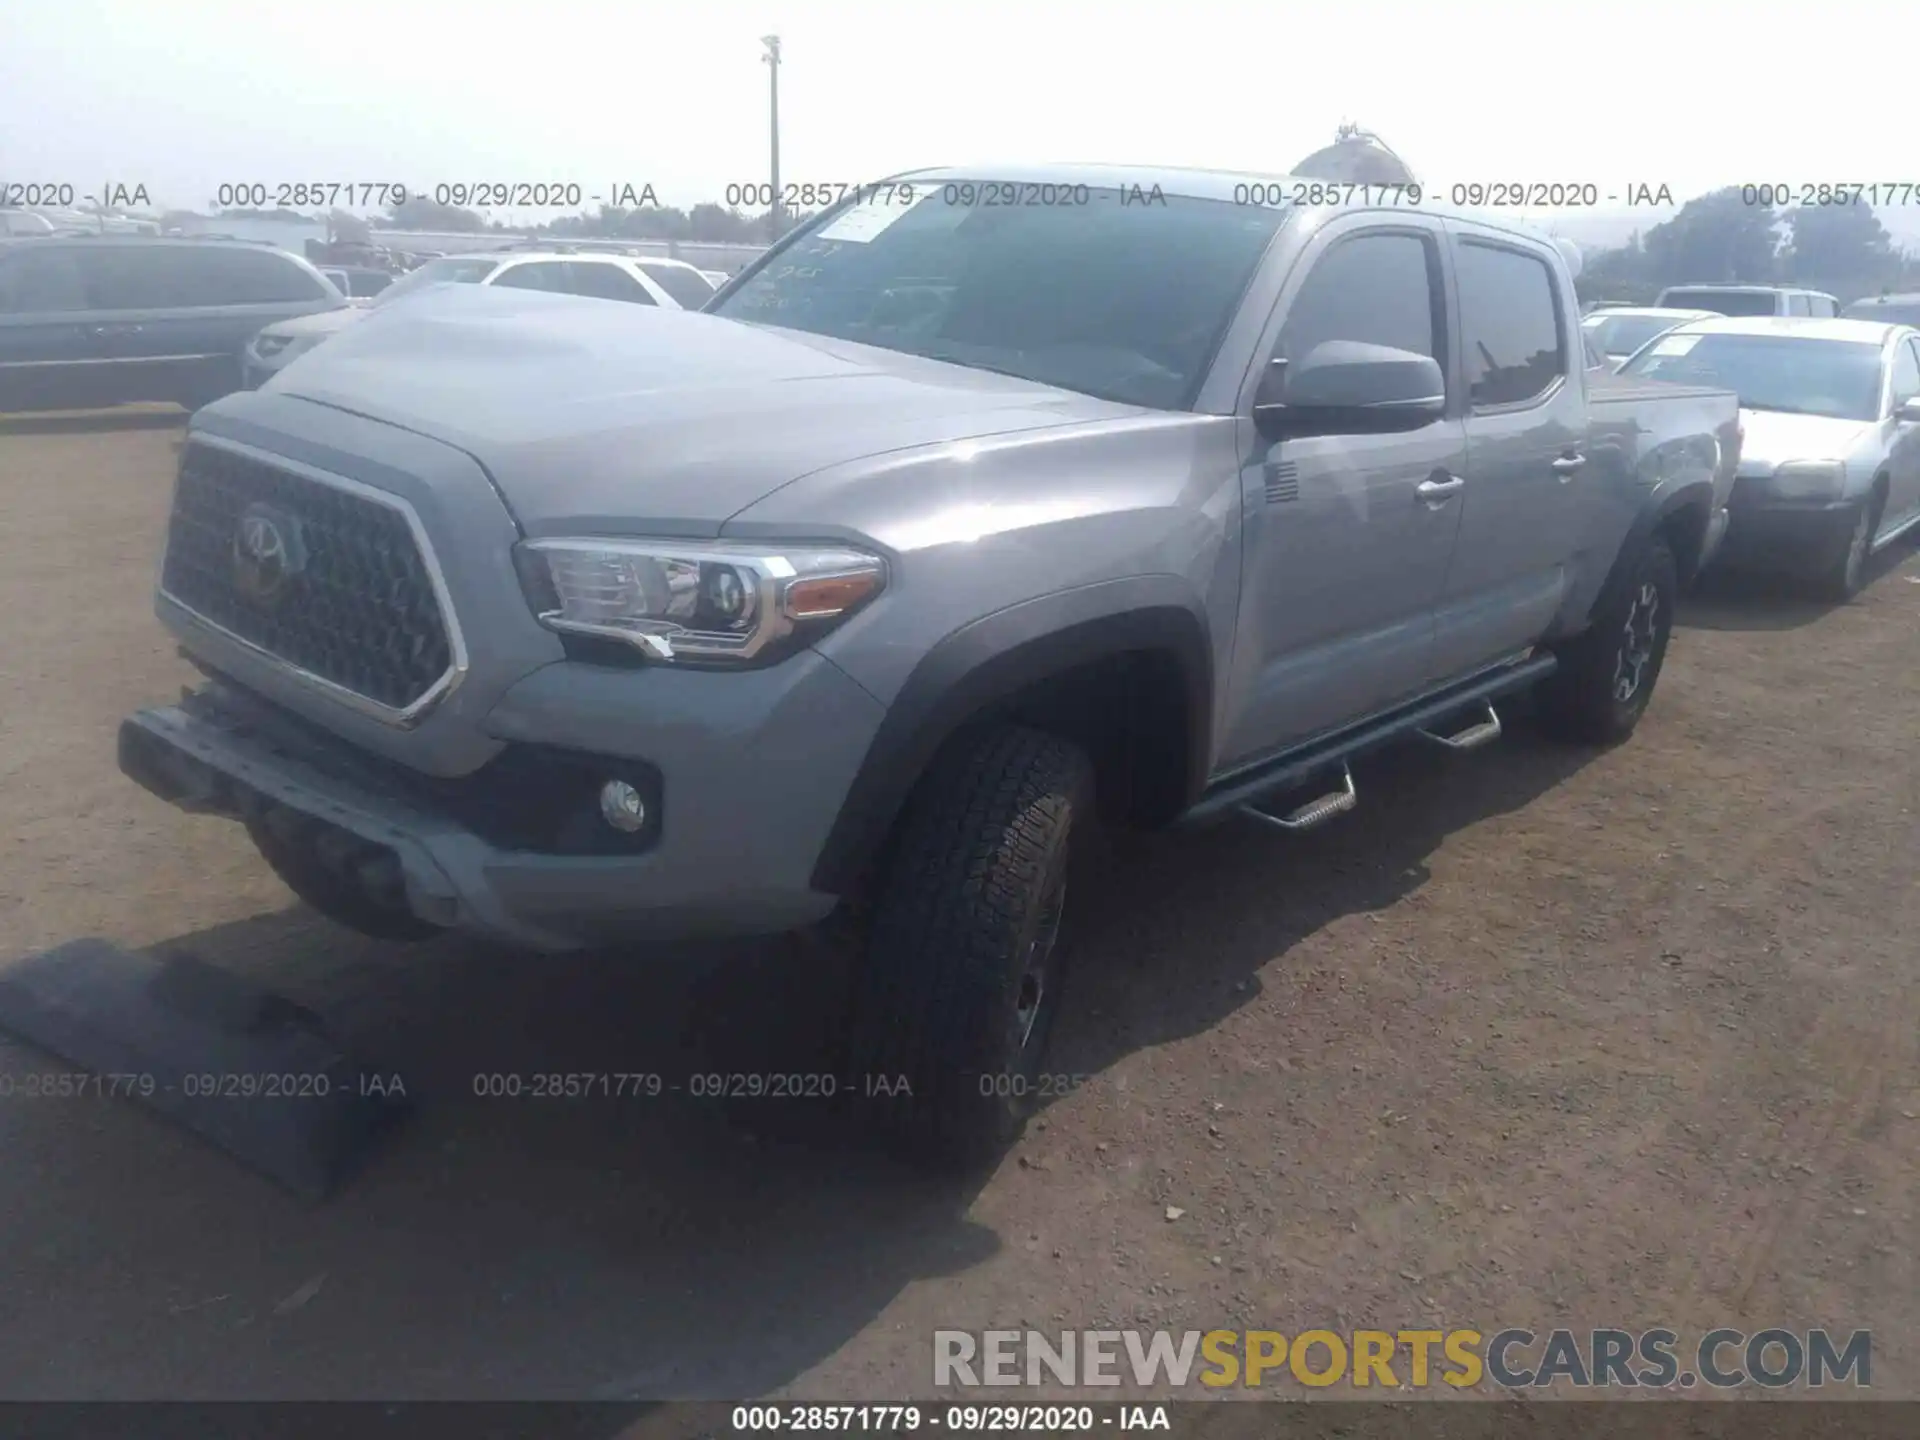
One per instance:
(102, 320)
(358, 282)
(606, 277)
(1887, 309)
(1749, 300)
(1830, 467)
(1620, 330)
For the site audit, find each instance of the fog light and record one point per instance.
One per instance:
(621, 806)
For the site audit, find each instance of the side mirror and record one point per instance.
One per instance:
(1907, 412)
(1345, 387)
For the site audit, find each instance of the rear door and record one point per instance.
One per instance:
(49, 357)
(1344, 552)
(1526, 429)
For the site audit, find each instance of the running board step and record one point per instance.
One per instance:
(1474, 736)
(1314, 812)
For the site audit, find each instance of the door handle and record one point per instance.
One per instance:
(1435, 491)
(1566, 466)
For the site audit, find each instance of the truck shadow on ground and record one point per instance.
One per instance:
(646, 1246)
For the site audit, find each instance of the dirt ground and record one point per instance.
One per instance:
(1537, 1037)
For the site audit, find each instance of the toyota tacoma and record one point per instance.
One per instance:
(983, 510)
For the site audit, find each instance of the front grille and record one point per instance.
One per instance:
(315, 574)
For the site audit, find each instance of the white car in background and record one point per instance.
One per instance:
(1830, 464)
(637, 280)
(1618, 331)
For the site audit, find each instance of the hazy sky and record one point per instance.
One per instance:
(183, 94)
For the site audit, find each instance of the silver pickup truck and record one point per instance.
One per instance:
(988, 506)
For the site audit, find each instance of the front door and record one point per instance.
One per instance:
(1347, 537)
(1903, 460)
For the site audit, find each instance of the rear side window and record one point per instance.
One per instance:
(606, 282)
(1722, 302)
(1510, 319)
(1797, 305)
(689, 288)
(168, 277)
(38, 280)
(1824, 307)
(1374, 288)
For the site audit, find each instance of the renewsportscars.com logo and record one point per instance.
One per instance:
(1721, 1359)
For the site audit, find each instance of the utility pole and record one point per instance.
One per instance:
(772, 61)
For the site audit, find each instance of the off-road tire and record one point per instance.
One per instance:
(336, 896)
(1581, 701)
(974, 881)
(1844, 577)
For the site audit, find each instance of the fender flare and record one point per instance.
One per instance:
(1659, 508)
(989, 661)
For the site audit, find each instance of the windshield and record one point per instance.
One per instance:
(448, 270)
(1722, 302)
(1624, 334)
(1836, 378)
(1105, 292)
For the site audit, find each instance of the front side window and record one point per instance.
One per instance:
(1510, 321)
(1722, 302)
(1377, 289)
(606, 281)
(548, 275)
(1123, 295)
(688, 287)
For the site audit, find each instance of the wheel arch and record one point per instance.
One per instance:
(1046, 661)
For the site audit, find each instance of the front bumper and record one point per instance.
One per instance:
(506, 852)
(1789, 538)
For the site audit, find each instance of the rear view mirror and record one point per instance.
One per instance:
(1908, 411)
(1345, 387)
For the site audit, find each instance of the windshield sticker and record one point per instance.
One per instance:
(888, 203)
(1675, 344)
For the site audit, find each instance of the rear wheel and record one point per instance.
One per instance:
(1607, 674)
(961, 977)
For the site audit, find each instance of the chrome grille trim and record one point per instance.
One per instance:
(404, 718)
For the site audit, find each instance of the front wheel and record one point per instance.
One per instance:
(1607, 674)
(961, 976)
(1843, 578)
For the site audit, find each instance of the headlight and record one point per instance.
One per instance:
(1809, 480)
(717, 601)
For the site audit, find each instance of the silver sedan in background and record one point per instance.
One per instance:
(1830, 464)
(1620, 330)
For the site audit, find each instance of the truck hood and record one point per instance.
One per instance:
(622, 419)
(1774, 437)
